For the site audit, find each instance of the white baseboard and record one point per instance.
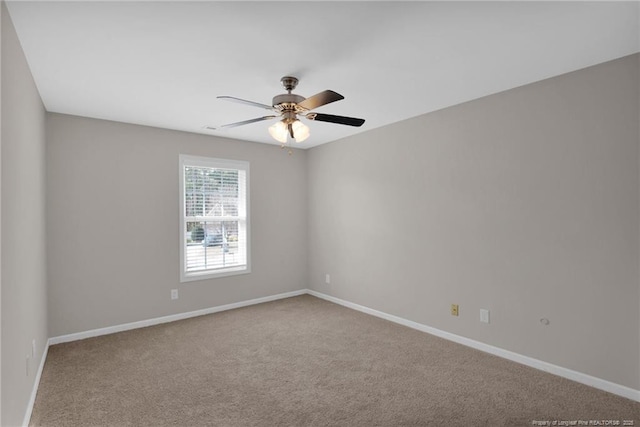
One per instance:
(579, 377)
(36, 383)
(171, 318)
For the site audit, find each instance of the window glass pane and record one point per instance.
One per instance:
(214, 245)
(211, 191)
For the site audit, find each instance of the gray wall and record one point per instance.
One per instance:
(113, 223)
(2, 6)
(24, 300)
(524, 203)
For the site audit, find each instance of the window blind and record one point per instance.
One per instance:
(214, 218)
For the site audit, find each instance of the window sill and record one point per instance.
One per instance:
(206, 275)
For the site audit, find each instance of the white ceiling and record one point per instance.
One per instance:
(163, 63)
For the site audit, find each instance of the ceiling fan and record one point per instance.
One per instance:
(287, 107)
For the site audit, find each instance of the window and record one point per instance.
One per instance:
(214, 223)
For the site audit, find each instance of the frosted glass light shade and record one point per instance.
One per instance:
(279, 132)
(300, 131)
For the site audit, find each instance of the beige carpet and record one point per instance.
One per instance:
(301, 362)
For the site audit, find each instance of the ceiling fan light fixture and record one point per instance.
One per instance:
(300, 131)
(287, 107)
(279, 131)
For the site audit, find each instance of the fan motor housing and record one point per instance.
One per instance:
(287, 98)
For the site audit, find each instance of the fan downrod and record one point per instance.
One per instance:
(289, 83)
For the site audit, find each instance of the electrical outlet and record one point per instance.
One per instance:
(174, 294)
(484, 315)
(327, 278)
(454, 309)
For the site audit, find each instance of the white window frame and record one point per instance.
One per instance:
(209, 162)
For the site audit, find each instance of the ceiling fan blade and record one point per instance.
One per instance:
(244, 101)
(320, 99)
(342, 120)
(246, 122)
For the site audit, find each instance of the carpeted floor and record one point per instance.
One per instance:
(301, 361)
